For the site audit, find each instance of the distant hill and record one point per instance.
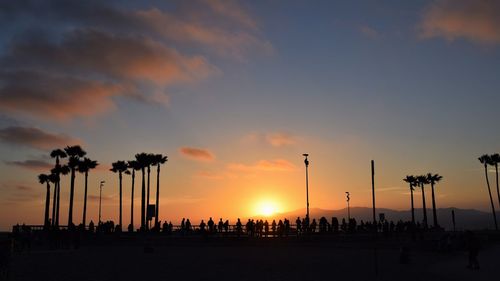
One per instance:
(465, 218)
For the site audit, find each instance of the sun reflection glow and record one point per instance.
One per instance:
(267, 208)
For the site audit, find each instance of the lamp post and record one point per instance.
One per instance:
(348, 209)
(306, 162)
(101, 184)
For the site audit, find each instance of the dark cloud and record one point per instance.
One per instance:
(73, 58)
(37, 165)
(35, 138)
(58, 96)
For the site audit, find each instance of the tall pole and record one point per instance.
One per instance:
(375, 250)
(373, 192)
(306, 162)
(348, 209)
(101, 184)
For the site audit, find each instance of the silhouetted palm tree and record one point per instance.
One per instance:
(58, 171)
(433, 179)
(158, 161)
(74, 153)
(413, 182)
(119, 167)
(54, 179)
(422, 181)
(495, 159)
(57, 154)
(44, 179)
(133, 166)
(85, 166)
(149, 161)
(142, 159)
(486, 160)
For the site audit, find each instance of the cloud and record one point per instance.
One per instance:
(19, 193)
(23, 187)
(280, 139)
(477, 21)
(276, 139)
(369, 32)
(209, 175)
(35, 138)
(96, 197)
(37, 165)
(199, 154)
(181, 200)
(75, 59)
(276, 165)
(231, 10)
(111, 55)
(54, 96)
(391, 188)
(219, 39)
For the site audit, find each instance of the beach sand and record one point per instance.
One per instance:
(195, 258)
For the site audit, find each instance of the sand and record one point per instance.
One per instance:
(195, 258)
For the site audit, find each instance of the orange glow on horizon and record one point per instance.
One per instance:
(267, 207)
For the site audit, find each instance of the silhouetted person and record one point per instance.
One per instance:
(170, 227)
(273, 227)
(211, 225)
(305, 224)
(299, 225)
(280, 228)
(266, 228)
(343, 226)
(313, 225)
(335, 224)
(91, 226)
(188, 226)
(322, 224)
(202, 227)
(226, 226)
(221, 225)
(239, 227)
(472, 244)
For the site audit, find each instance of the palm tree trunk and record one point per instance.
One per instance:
(120, 176)
(54, 205)
(147, 204)
(85, 201)
(434, 206)
(58, 202)
(157, 193)
(71, 195)
(498, 191)
(143, 193)
(423, 206)
(47, 207)
(491, 198)
(132, 201)
(412, 207)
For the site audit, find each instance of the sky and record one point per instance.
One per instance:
(234, 92)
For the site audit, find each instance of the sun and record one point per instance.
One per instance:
(266, 208)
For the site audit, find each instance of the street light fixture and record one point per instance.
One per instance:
(306, 162)
(347, 194)
(101, 184)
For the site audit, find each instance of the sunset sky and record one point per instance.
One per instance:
(235, 91)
